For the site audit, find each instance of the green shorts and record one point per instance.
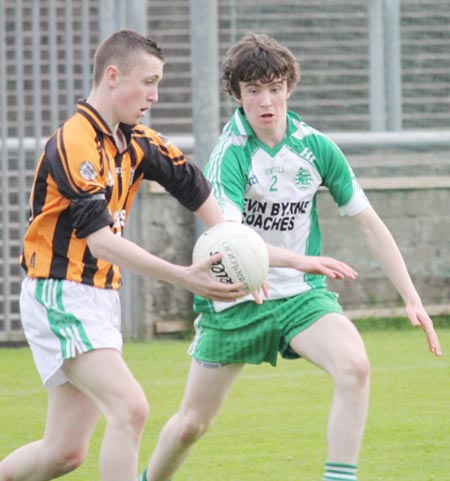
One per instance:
(223, 337)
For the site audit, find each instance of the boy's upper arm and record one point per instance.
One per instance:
(340, 179)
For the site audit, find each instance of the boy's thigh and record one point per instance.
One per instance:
(332, 342)
(301, 313)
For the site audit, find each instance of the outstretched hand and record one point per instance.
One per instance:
(419, 318)
(327, 266)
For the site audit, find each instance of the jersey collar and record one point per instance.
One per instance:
(98, 122)
(240, 124)
(89, 112)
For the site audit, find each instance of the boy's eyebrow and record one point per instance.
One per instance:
(256, 83)
(153, 77)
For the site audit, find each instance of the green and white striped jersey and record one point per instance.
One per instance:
(273, 190)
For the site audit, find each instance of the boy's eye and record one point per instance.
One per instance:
(152, 81)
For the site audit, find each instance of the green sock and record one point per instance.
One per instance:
(143, 476)
(340, 472)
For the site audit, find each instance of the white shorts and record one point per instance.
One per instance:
(64, 318)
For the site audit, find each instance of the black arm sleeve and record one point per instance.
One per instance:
(167, 165)
(89, 214)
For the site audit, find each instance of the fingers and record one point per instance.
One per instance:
(223, 295)
(421, 318)
(257, 297)
(336, 269)
(433, 341)
(199, 281)
(218, 291)
(213, 259)
(346, 271)
(257, 294)
(432, 338)
(433, 344)
(226, 292)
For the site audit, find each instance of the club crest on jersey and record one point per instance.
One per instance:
(87, 170)
(252, 180)
(303, 179)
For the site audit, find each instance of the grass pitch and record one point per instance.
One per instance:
(272, 426)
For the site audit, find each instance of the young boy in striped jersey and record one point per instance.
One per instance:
(85, 183)
(265, 171)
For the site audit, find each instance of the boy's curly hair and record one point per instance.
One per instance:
(257, 57)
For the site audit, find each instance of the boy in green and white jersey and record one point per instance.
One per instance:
(265, 171)
(273, 190)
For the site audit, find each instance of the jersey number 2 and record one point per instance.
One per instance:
(273, 187)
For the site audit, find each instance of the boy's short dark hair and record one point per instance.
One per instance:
(257, 57)
(121, 49)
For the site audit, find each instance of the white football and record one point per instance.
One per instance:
(245, 258)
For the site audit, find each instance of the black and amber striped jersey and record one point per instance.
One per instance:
(83, 183)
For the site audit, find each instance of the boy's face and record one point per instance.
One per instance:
(265, 106)
(137, 90)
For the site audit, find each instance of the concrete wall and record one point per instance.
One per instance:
(419, 220)
(168, 231)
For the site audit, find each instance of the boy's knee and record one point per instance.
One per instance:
(129, 414)
(138, 410)
(363, 368)
(66, 459)
(192, 429)
(357, 371)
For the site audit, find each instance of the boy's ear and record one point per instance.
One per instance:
(112, 74)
